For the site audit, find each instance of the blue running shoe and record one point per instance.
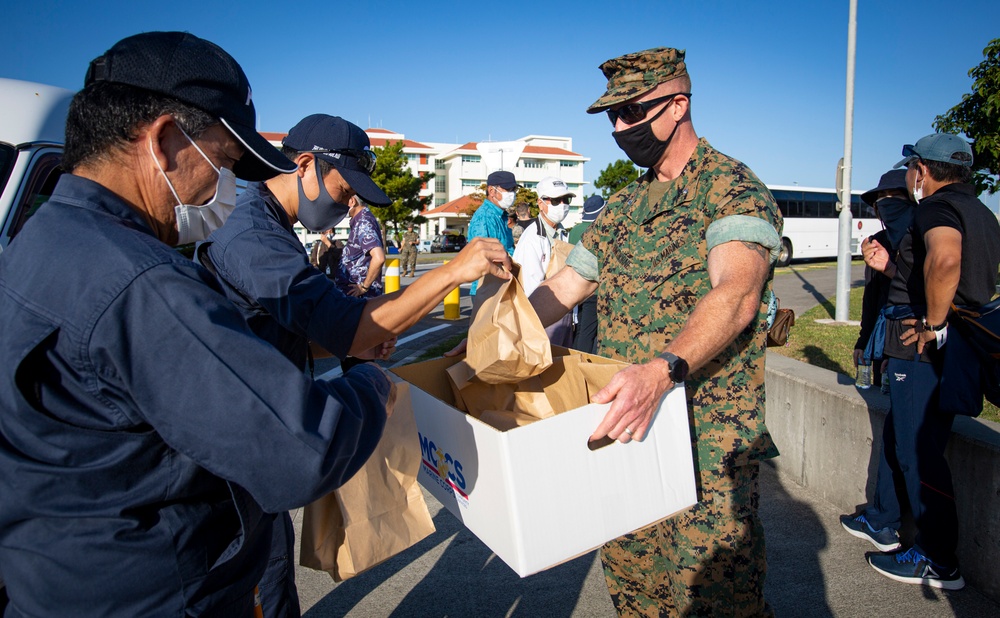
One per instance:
(912, 567)
(885, 539)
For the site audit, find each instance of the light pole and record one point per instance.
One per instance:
(844, 236)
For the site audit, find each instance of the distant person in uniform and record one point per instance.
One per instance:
(523, 220)
(408, 254)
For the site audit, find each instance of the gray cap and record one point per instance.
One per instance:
(943, 147)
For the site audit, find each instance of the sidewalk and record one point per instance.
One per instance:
(815, 569)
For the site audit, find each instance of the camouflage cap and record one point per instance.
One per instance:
(634, 74)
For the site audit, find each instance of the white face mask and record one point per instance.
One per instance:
(195, 223)
(556, 213)
(507, 199)
(918, 192)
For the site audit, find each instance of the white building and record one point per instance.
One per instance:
(459, 170)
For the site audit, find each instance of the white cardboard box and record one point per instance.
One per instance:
(537, 495)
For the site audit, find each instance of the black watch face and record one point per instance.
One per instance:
(680, 370)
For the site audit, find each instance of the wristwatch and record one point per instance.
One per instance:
(932, 328)
(678, 367)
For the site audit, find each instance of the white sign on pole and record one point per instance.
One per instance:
(500, 155)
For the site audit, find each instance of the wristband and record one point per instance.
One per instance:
(941, 336)
(939, 327)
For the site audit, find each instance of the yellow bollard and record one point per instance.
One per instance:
(391, 275)
(452, 309)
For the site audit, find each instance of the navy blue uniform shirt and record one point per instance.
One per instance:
(266, 273)
(145, 432)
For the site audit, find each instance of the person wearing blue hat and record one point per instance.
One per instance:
(288, 302)
(585, 331)
(490, 219)
(949, 255)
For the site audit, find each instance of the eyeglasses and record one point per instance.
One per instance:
(636, 112)
(555, 201)
(365, 158)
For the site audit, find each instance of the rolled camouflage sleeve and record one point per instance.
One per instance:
(745, 228)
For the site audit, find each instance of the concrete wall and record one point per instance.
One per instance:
(830, 435)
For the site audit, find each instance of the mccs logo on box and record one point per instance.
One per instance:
(445, 469)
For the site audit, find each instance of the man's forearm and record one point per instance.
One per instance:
(716, 321)
(390, 315)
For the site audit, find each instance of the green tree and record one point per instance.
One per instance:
(978, 117)
(402, 187)
(615, 177)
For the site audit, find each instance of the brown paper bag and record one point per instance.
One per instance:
(379, 512)
(507, 342)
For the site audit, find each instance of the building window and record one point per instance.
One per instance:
(568, 163)
(439, 164)
(439, 184)
(529, 185)
(412, 158)
(471, 159)
(532, 163)
(439, 201)
(471, 183)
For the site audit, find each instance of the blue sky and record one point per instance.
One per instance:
(768, 77)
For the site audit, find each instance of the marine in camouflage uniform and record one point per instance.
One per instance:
(408, 253)
(648, 251)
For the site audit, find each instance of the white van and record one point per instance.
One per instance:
(32, 129)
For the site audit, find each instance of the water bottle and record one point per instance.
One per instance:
(864, 379)
(885, 382)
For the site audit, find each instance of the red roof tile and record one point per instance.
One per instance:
(549, 151)
(380, 130)
(407, 143)
(453, 207)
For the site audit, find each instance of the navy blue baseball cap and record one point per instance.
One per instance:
(943, 147)
(592, 207)
(504, 180)
(343, 145)
(201, 74)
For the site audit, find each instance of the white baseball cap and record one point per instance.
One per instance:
(550, 186)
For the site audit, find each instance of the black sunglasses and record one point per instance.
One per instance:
(636, 112)
(365, 158)
(555, 201)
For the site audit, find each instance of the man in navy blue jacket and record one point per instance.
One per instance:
(145, 432)
(288, 302)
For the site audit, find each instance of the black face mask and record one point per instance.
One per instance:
(322, 213)
(639, 143)
(896, 214)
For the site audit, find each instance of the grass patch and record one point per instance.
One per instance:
(831, 346)
(439, 349)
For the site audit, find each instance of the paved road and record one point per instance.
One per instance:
(815, 568)
(803, 286)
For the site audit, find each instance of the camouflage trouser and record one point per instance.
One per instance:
(408, 261)
(706, 561)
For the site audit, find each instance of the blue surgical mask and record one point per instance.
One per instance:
(322, 213)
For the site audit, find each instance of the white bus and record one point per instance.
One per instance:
(812, 223)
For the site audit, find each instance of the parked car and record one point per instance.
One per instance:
(424, 246)
(447, 243)
(32, 126)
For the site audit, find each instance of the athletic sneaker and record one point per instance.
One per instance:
(912, 567)
(885, 539)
